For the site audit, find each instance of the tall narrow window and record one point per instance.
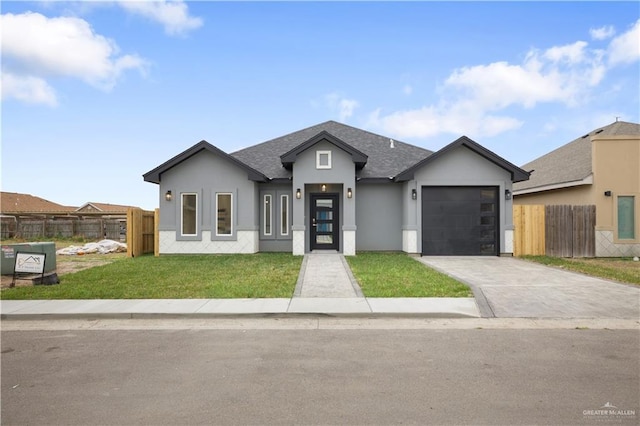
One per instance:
(224, 214)
(284, 212)
(626, 218)
(268, 206)
(189, 214)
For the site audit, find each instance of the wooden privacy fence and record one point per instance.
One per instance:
(33, 228)
(529, 233)
(560, 231)
(142, 232)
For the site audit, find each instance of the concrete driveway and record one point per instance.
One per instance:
(513, 288)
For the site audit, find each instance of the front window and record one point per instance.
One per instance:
(626, 218)
(284, 211)
(224, 213)
(267, 214)
(189, 214)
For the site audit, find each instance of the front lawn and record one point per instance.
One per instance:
(620, 269)
(398, 275)
(262, 275)
(175, 277)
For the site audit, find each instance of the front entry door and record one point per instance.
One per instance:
(324, 222)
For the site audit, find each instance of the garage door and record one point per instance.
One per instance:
(459, 220)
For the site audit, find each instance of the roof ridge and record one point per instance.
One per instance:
(280, 137)
(324, 123)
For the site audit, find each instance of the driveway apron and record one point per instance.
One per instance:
(514, 288)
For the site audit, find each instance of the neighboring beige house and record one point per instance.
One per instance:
(600, 168)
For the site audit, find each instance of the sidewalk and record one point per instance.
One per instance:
(201, 308)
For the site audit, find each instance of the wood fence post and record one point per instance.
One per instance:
(156, 232)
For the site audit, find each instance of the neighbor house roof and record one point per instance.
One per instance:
(15, 203)
(103, 208)
(385, 158)
(571, 164)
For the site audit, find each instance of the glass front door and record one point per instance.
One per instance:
(324, 222)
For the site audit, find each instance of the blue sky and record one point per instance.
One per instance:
(94, 94)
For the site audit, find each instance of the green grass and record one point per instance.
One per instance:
(624, 270)
(398, 275)
(175, 277)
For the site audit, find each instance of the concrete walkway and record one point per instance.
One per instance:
(512, 288)
(326, 275)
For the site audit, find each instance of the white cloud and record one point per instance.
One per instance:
(37, 47)
(625, 48)
(173, 15)
(431, 121)
(474, 98)
(343, 106)
(27, 89)
(570, 53)
(602, 33)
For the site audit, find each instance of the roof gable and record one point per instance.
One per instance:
(358, 157)
(155, 175)
(517, 174)
(571, 164)
(103, 208)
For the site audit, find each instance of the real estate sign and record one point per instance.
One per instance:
(31, 263)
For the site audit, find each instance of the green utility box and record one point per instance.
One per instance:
(9, 255)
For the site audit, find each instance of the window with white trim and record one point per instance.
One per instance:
(189, 214)
(284, 215)
(224, 214)
(323, 159)
(268, 214)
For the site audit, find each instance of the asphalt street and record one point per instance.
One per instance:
(406, 375)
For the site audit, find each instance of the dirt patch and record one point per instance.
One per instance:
(69, 264)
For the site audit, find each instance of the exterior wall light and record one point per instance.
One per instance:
(414, 194)
(168, 196)
(507, 194)
(323, 188)
(298, 194)
(349, 193)
(607, 193)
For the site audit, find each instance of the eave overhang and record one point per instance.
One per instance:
(550, 187)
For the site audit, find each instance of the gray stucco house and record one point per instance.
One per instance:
(336, 187)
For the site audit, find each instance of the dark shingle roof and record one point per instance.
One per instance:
(571, 162)
(383, 161)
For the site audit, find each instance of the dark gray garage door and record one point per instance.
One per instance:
(459, 220)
